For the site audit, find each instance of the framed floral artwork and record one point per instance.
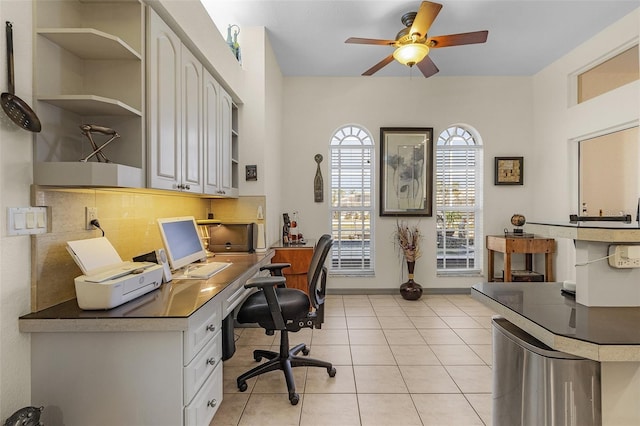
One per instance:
(406, 171)
(509, 171)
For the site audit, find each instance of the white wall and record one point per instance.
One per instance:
(261, 124)
(16, 177)
(559, 123)
(499, 108)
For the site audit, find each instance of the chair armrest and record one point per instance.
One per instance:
(268, 285)
(275, 268)
(262, 282)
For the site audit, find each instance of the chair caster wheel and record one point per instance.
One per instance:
(242, 386)
(294, 399)
(331, 371)
(257, 358)
(305, 351)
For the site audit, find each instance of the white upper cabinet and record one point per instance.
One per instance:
(119, 65)
(212, 134)
(228, 185)
(190, 118)
(175, 111)
(192, 142)
(163, 108)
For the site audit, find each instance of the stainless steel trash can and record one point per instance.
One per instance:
(535, 385)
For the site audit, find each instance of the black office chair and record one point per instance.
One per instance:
(276, 307)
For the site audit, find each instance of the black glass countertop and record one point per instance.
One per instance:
(545, 305)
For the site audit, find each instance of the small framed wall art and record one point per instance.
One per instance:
(509, 171)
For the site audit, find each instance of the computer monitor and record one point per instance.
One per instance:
(181, 240)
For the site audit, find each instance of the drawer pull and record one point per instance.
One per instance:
(211, 361)
(212, 403)
(211, 328)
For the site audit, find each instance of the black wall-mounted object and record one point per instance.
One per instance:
(574, 218)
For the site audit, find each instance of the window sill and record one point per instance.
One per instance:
(459, 274)
(359, 274)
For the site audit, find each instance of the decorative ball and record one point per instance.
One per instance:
(517, 220)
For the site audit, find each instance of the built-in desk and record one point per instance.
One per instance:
(155, 360)
(610, 335)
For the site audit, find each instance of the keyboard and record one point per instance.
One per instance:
(206, 271)
(119, 271)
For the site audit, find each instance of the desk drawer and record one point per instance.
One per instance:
(205, 404)
(196, 373)
(235, 294)
(203, 325)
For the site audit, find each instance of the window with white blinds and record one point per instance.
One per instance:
(352, 200)
(458, 202)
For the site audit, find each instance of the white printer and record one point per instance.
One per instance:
(108, 281)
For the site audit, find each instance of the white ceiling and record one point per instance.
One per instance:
(524, 35)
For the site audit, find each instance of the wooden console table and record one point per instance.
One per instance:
(523, 245)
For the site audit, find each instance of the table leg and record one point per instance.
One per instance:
(548, 268)
(528, 262)
(490, 277)
(507, 267)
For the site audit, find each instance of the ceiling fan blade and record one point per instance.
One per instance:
(427, 67)
(425, 17)
(458, 39)
(358, 40)
(377, 67)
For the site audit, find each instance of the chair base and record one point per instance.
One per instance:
(284, 360)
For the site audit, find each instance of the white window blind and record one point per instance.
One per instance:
(352, 201)
(458, 201)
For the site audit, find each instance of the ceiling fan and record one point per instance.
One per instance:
(412, 43)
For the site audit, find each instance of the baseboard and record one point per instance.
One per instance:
(393, 291)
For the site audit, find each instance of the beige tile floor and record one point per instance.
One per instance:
(425, 362)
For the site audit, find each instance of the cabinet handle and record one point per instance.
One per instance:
(187, 187)
(211, 328)
(212, 403)
(211, 361)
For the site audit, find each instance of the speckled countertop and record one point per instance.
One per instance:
(167, 308)
(599, 333)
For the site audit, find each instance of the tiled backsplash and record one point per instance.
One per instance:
(128, 217)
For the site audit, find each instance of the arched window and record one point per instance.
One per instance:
(352, 200)
(459, 201)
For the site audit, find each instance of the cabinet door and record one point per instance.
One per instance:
(211, 134)
(300, 259)
(192, 148)
(226, 107)
(165, 153)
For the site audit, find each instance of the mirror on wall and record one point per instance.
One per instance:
(609, 177)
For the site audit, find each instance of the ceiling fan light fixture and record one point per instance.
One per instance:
(410, 54)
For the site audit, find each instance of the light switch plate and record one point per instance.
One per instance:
(26, 220)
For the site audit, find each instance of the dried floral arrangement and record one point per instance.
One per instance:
(408, 239)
